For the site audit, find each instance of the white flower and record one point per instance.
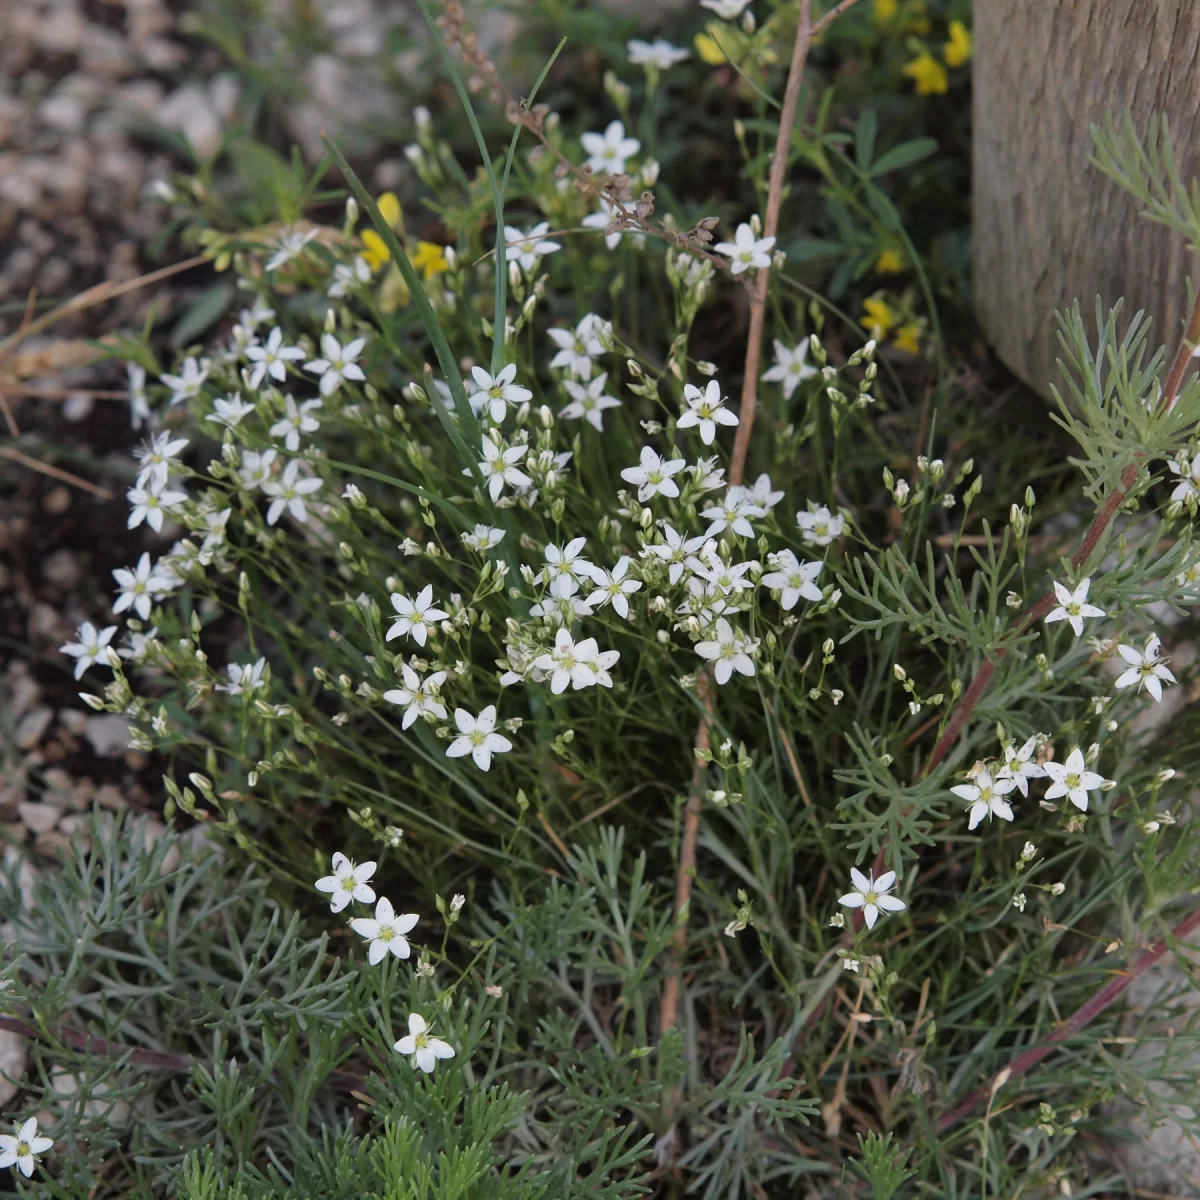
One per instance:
(289, 245)
(139, 406)
(385, 931)
(482, 537)
(527, 248)
(21, 1150)
(139, 586)
(729, 10)
(1145, 667)
(1189, 483)
(499, 467)
(150, 502)
(706, 475)
(658, 53)
(349, 277)
(675, 551)
(762, 493)
(793, 578)
(139, 644)
(418, 617)
(1073, 606)
(818, 526)
(244, 680)
(418, 696)
(570, 663)
(790, 367)
(272, 359)
(730, 652)
(289, 491)
(871, 895)
(91, 647)
(723, 578)
(295, 421)
(1020, 765)
(986, 797)
(604, 661)
(187, 384)
(608, 151)
(1189, 578)
(339, 362)
(229, 412)
(156, 457)
(588, 401)
(478, 737)
(733, 513)
(602, 220)
(746, 251)
(256, 468)
(654, 476)
(614, 586)
(495, 394)
(564, 568)
(705, 410)
(577, 348)
(425, 1050)
(1072, 779)
(348, 882)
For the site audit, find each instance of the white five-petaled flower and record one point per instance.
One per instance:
(229, 411)
(92, 646)
(139, 586)
(499, 467)
(295, 421)
(21, 1149)
(155, 459)
(614, 586)
(746, 251)
(289, 245)
(653, 475)
(763, 494)
(349, 277)
(985, 795)
(187, 384)
(577, 348)
(608, 151)
(819, 527)
(494, 395)
(526, 249)
(348, 882)
(871, 895)
(790, 367)
(385, 931)
(603, 219)
(658, 53)
(256, 468)
(1072, 779)
(1073, 606)
(483, 537)
(796, 580)
(730, 652)
(705, 410)
(588, 401)
(478, 737)
(564, 568)
(339, 363)
(271, 358)
(244, 680)
(149, 503)
(418, 617)
(288, 492)
(1020, 765)
(675, 551)
(1189, 481)
(1145, 667)
(570, 663)
(419, 697)
(424, 1048)
(734, 512)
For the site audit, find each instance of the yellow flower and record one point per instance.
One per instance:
(430, 259)
(389, 208)
(376, 252)
(928, 74)
(908, 338)
(885, 11)
(879, 318)
(889, 262)
(709, 51)
(958, 48)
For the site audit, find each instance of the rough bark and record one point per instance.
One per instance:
(1048, 227)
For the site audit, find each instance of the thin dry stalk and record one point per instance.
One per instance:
(35, 464)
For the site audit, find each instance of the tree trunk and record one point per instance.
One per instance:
(1048, 227)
